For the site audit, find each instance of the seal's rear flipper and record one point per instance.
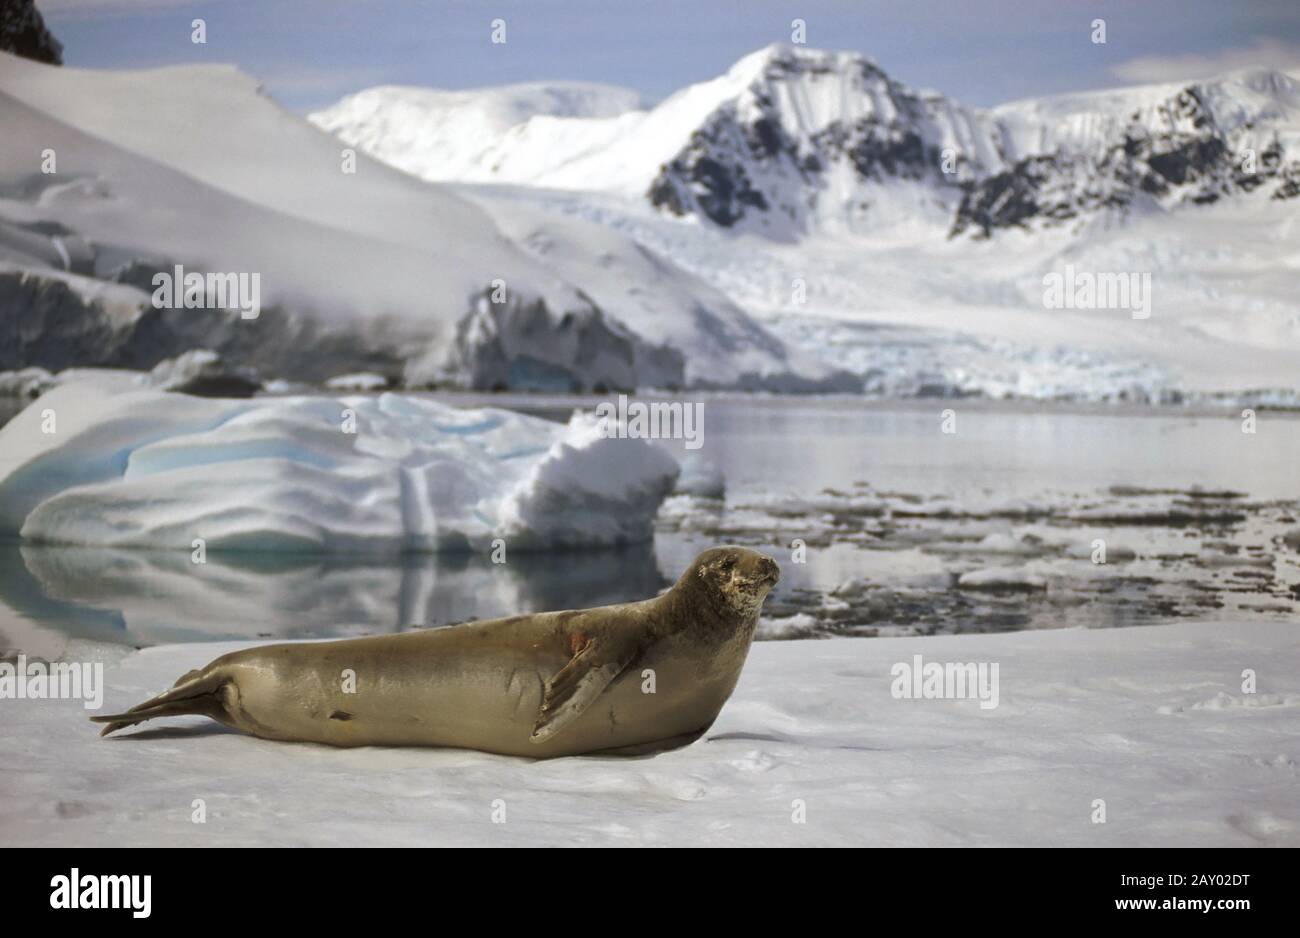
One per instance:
(195, 693)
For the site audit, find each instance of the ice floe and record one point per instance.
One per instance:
(1083, 716)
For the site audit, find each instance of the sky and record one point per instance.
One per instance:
(309, 53)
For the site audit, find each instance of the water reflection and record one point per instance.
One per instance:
(1199, 520)
(142, 598)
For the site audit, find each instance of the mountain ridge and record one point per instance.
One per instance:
(789, 141)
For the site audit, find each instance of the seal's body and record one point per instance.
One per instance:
(633, 677)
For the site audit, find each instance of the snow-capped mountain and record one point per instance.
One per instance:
(904, 237)
(799, 217)
(792, 141)
(817, 140)
(109, 178)
(1162, 146)
(783, 140)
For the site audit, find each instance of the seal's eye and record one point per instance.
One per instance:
(728, 563)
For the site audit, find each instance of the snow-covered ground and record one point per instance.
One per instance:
(1151, 721)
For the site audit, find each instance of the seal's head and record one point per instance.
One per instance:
(735, 579)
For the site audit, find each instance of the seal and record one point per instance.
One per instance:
(632, 678)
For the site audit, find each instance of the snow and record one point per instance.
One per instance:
(608, 147)
(389, 272)
(875, 285)
(1087, 122)
(356, 267)
(910, 311)
(1151, 720)
(725, 347)
(375, 474)
(257, 177)
(472, 131)
(622, 149)
(814, 93)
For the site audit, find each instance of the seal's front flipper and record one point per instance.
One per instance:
(576, 686)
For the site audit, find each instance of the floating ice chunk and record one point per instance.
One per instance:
(361, 381)
(1005, 542)
(799, 625)
(382, 474)
(205, 373)
(25, 383)
(1003, 579)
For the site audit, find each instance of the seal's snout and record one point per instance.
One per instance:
(770, 571)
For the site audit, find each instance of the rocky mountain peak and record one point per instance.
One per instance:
(23, 32)
(806, 134)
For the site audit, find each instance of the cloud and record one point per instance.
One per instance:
(1265, 53)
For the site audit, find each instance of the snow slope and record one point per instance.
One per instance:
(548, 144)
(472, 135)
(1087, 122)
(671, 307)
(1150, 720)
(915, 315)
(1149, 149)
(372, 270)
(383, 475)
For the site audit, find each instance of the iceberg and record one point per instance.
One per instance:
(96, 464)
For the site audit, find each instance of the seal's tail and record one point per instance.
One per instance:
(198, 692)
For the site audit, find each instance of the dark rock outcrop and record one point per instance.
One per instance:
(524, 346)
(46, 323)
(23, 32)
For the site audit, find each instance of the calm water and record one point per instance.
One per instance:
(897, 520)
